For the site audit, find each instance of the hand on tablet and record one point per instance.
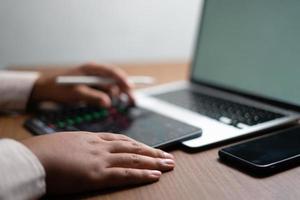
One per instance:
(46, 88)
(82, 161)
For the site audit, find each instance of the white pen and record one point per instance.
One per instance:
(96, 80)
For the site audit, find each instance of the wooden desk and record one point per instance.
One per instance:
(197, 175)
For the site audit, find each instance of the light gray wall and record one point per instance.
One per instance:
(59, 31)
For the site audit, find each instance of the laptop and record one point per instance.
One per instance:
(244, 75)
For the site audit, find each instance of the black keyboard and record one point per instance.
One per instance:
(77, 118)
(138, 123)
(223, 110)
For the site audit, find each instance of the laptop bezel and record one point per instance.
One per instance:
(253, 96)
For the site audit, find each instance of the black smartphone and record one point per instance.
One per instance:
(265, 155)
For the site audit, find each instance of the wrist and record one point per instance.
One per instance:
(39, 90)
(34, 146)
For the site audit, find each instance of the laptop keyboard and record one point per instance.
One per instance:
(228, 112)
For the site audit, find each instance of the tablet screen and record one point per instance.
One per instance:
(140, 124)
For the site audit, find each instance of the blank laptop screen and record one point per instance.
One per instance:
(251, 46)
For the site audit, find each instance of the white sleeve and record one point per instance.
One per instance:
(21, 174)
(15, 89)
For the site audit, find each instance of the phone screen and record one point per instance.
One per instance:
(267, 150)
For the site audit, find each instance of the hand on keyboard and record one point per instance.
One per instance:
(46, 88)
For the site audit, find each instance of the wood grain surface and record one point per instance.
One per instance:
(198, 174)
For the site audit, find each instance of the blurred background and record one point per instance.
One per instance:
(35, 32)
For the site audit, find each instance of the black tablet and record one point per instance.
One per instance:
(140, 124)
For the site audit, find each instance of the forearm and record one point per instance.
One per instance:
(15, 89)
(21, 173)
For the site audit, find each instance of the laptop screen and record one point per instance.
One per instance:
(252, 46)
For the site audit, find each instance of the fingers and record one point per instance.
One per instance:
(112, 90)
(106, 70)
(122, 144)
(92, 96)
(114, 137)
(107, 96)
(137, 148)
(110, 71)
(126, 176)
(135, 161)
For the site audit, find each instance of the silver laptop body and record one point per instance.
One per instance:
(245, 66)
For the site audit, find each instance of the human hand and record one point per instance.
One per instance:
(82, 161)
(46, 89)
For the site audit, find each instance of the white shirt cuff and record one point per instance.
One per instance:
(21, 174)
(15, 89)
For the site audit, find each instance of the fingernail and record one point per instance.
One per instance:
(167, 155)
(168, 162)
(155, 173)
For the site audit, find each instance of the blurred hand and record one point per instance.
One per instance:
(46, 89)
(83, 161)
